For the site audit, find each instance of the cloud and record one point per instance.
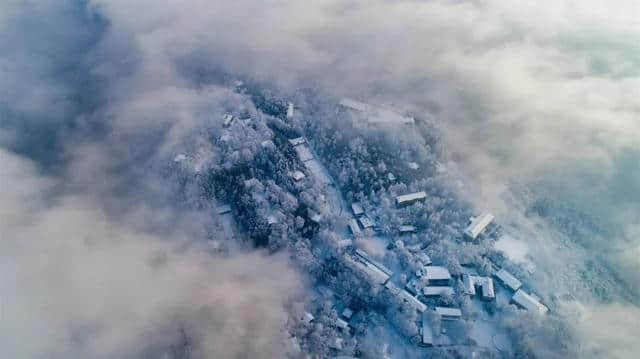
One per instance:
(76, 284)
(540, 96)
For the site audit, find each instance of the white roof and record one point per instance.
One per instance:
(180, 157)
(448, 312)
(307, 317)
(424, 258)
(413, 165)
(290, 110)
(528, 302)
(353, 226)
(488, 291)
(437, 291)
(427, 331)
(355, 105)
(304, 153)
(362, 254)
(391, 177)
(437, 273)
(297, 175)
(407, 228)
(340, 323)
(407, 297)
(357, 209)
(297, 141)
(478, 225)
(468, 285)
(411, 197)
(389, 116)
(509, 280)
(227, 119)
(366, 222)
(225, 208)
(377, 275)
(347, 313)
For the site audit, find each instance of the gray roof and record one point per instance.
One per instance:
(528, 302)
(437, 273)
(448, 312)
(431, 291)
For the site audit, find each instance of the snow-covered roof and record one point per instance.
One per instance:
(448, 313)
(222, 209)
(478, 225)
(488, 291)
(297, 141)
(407, 229)
(347, 313)
(413, 165)
(437, 273)
(375, 273)
(427, 331)
(391, 177)
(407, 297)
(508, 279)
(297, 175)
(290, 110)
(365, 256)
(424, 258)
(304, 153)
(365, 222)
(227, 119)
(341, 323)
(353, 226)
(528, 302)
(307, 317)
(355, 105)
(357, 209)
(468, 285)
(431, 291)
(410, 198)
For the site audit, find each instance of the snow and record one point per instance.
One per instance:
(508, 279)
(304, 153)
(410, 198)
(478, 225)
(179, 158)
(357, 209)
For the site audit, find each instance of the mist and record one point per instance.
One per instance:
(537, 103)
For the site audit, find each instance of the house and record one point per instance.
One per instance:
(447, 313)
(357, 209)
(354, 227)
(227, 119)
(404, 229)
(347, 313)
(290, 110)
(297, 175)
(223, 209)
(437, 275)
(307, 317)
(427, 331)
(470, 282)
(414, 166)
(528, 302)
(304, 153)
(424, 258)
(413, 301)
(508, 280)
(408, 199)
(297, 141)
(468, 285)
(364, 256)
(337, 344)
(365, 222)
(437, 291)
(341, 323)
(412, 286)
(478, 225)
(316, 170)
(354, 105)
(376, 274)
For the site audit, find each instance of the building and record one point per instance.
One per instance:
(408, 199)
(447, 313)
(347, 313)
(404, 229)
(304, 153)
(353, 226)
(223, 209)
(408, 298)
(427, 331)
(227, 119)
(424, 258)
(357, 209)
(478, 225)
(362, 254)
(297, 141)
(470, 282)
(468, 285)
(437, 275)
(354, 105)
(528, 302)
(297, 176)
(290, 110)
(365, 222)
(508, 280)
(437, 291)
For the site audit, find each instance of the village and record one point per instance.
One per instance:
(429, 288)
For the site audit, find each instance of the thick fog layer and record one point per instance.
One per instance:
(538, 101)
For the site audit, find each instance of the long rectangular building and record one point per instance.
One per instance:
(410, 198)
(447, 313)
(478, 225)
(529, 303)
(508, 280)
